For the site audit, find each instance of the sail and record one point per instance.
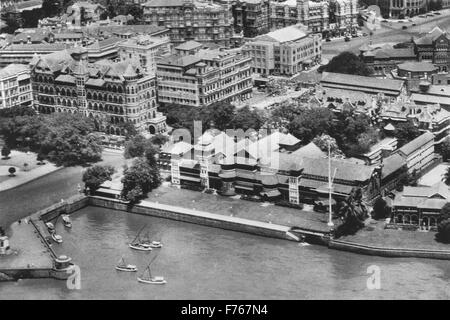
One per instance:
(137, 239)
(122, 262)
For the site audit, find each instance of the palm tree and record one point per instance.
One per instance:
(353, 213)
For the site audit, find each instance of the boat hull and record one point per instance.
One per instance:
(126, 269)
(140, 248)
(57, 240)
(151, 281)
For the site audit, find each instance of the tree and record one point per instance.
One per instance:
(129, 128)
(220, 114)
(135, 147)
(322, 142)
(311, 123)
(405, 132)
(446, 176)
(6, 152)
(381, 209)
(159, 139)
(348, 63)
(445, 149)
(246, 118)
(141, 174)
(63, 138)
(96, 175)
(443, 234)
(11, 171)
(353, 213)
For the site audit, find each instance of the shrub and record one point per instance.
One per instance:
(11, 171)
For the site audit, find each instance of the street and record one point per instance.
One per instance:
(28, 198)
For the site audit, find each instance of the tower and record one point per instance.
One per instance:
(81, 73)
(303, 12)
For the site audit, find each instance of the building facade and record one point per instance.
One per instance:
(419, 153)
(251, 17)
(145, 49)
(15, 86)
(319, 16)
(202, 21)
(112, 93)
(434, 47)
(201, 79)
(284, 52)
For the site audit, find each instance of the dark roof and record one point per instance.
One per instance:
(415, 144)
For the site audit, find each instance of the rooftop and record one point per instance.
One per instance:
(13, 70)
(418, 67)
(417, 143)
(290, 33)
(361, 81)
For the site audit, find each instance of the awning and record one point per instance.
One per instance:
(193, 179)
(271, 193)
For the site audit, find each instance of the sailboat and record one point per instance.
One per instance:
(152, 243)
(57, 238)
(138, 244)
(123, 266)
(66, 221)
(147, 277)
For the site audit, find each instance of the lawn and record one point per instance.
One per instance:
(259, 211)
(18, 158)
(380, 237)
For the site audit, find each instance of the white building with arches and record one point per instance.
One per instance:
(112, 93)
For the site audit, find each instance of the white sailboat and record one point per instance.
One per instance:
(66, 221)
(138, 244)
(57, 238)
(123, 266)
(147, 277)
(151, 243)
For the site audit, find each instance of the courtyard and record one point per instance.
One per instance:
(434, 175)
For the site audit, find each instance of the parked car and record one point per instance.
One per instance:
(347, 39)
(383, 20)
(365, 34)
(413, 24)
(422, 16)
(327, 39)
(404, 27)
(437, 13)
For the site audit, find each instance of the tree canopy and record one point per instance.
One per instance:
(63, 138)
(347, 62)
(405, 132)
(139, 179)
(94, 176)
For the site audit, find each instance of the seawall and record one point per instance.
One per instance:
(197, 217)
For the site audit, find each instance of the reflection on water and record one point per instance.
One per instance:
(206, 263)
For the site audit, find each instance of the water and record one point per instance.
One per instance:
(207, 263)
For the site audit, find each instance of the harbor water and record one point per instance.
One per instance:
(207, 263)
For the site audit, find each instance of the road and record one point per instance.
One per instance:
(389, 32)
(28, 198)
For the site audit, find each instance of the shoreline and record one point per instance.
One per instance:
(200, 218)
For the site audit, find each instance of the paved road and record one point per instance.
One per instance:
(19, 202)
(392, 32)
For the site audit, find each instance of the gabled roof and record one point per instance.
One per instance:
(361, 81)
(164, 3)
(417, 143)
(391, 164)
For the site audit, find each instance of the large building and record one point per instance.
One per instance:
(319, 16)
(419, 153)
(24, 53)
(112, 93)
(205, 77)
(369, 85)
(434, 47)
(284, 52)
(15, 86)
(202, 21)
(145, 49)
(251, 17)
(272, 166)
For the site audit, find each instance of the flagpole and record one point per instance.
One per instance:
(330, 220)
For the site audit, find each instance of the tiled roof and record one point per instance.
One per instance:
(180, 61)
(417, 67)
(361, 81)
(430, 99)
(417, 143)
(164, 3)
(391, 164)
(65, 78)
(12, 70)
